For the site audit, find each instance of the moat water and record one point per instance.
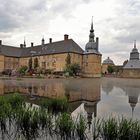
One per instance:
(92, 97)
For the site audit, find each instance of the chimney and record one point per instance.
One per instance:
(21, 45)
(66, 37)
(0, 42)
(97, 43)
(32, 44)
(50, 40)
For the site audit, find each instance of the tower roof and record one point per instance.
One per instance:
(91, 46)
(108, 61)
(134, 55)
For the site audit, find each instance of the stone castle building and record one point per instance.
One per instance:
(132, 67)
(53, 55)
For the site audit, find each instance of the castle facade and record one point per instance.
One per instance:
(53, 55)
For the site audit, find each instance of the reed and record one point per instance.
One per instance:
(55, 105)
(21, 121)
(65, 126)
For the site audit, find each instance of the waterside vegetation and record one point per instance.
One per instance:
(51, 120)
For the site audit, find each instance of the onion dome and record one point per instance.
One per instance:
(92, 45)
(108, 61)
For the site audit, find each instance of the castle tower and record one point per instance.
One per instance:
(92, 56)
(134, 55)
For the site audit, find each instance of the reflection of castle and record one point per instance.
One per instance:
(127, 86)
(90, 108)
(77, 91)
(133, 95)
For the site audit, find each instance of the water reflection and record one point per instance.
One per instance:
(78, 92)
(119, 96)
(129, 88)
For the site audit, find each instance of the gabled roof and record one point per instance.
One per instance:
(64, 46)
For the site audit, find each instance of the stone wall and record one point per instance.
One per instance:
(1, 63)
(104, 68)
(56, 62)
(90, 63)
(11, 62)
(130, 73)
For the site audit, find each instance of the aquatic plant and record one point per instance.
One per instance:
(65, 126)
(80, 126)
(55, 105)
(21, 120)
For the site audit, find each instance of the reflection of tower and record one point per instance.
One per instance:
(133, 95)
(107, 85)
(90, 108)
(133, 100)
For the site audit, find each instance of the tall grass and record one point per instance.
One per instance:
(21, 121)
(116, 129)
(55, 105)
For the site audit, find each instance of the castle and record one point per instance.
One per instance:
(53, 55)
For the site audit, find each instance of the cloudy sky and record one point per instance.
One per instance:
(116, 23)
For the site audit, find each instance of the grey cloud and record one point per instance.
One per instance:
(66, 8)
(14, 14)
(130, 32)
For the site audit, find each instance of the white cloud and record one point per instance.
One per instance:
(116, 22)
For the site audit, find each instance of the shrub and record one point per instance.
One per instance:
(22, 70)
(72, 69)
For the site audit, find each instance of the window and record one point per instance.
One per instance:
(43, 65)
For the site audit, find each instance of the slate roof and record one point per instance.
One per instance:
(10, 51)
(64, 46)
(132, 64)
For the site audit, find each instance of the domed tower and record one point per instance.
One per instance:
(132, 67)
(92, 46)
(92, 57)
(134, 55)
(107, 62)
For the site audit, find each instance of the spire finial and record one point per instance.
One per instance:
(24, 42)
(92, 23)
(134, 43)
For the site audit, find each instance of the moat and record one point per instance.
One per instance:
(96, 97)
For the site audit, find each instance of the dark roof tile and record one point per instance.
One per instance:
(50, 48)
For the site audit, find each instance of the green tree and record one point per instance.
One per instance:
(68, 59)
(22, 70)
(36, 63)
(110, 69)
(72, 69)
(30, 63)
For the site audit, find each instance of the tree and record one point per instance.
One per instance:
(110, 69)
(68, 59)
(30, 63)
(72, 69)
(36, 63)
(22, 70)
